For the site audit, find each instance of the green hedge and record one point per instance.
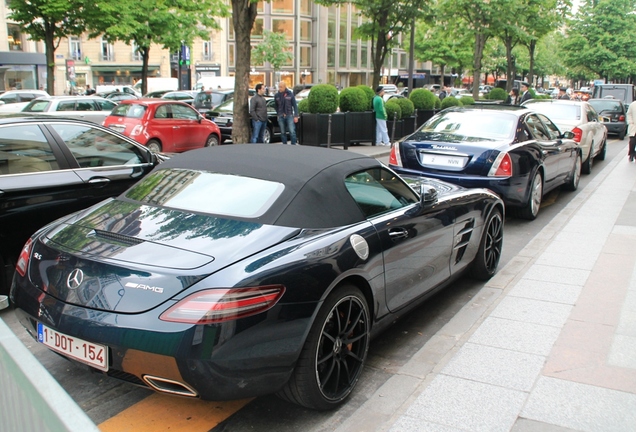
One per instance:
(391, 108)
(303, 106)
(423, 99)
(368, 91)
(467, 100)
(498, 94)
(323, 99)
(353, 99)
(406, 106)
(449, 101)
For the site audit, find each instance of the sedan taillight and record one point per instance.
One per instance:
(394, 157)
(23, 259)
(578, 134)
(223, 304)
(621, 118)
(502, 167)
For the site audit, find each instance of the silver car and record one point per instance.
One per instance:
(91, 108)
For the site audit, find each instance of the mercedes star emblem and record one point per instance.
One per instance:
(75, 279)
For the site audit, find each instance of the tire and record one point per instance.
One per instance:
(485, 264)
(575, 175)
(601, 155)
(531, 209)
(212, 141)
(621, 136)
(267, 136)
(334, 353)
(7, 267)
(154, 146)
(587, 165)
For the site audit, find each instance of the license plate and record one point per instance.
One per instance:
(443, 161)
(86, 352)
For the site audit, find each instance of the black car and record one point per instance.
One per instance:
(518, 153)
(614, 115)
(238, 271)
(207, 100)
(52, 166)
(186, 96)
(223, 116)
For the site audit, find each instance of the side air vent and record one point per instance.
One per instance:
(116, 238)
(462, 238)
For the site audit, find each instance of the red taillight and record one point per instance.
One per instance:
(23, 259)
(578, 134)
(502, 167)
(394, 157)
(621, 118)
(224, 304)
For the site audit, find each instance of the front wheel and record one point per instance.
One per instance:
(154, 146)
(267, 136)
(334, 353)
(485, 264)
(535, 196)
(575, 175)
(212, 141)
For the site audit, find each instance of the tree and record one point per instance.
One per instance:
(169, 23)
(274, 49)
(386, 19)
(49, 21)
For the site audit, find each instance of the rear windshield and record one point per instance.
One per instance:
(36, 106)
(129, 110)
(606, 105)
(473, 124)
(557, 112)
(190, 190)
(209, 99)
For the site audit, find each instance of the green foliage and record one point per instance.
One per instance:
(353, 99)
(450, 101)
(423, 99)
(274, 49)
(392, 108)
(467, 100)
(438, 103)
(498, 94)
(323, 99)
(406, 107)
(303, 106)
(368, 91)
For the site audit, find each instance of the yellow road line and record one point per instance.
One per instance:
(160, 412)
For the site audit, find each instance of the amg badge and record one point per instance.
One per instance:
(158, 290)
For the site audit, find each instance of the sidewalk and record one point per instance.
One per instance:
(549, 344)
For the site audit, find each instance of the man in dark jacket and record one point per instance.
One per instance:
(525, 92)
(287, 110)
(258, 112)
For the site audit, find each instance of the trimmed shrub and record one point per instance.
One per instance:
(423, 99)
(406, 106)
(368, 91)
(323, 99)
(392, 108)
(498, 94)
(467, 100)
(438, 103)
(449, 101)
(303, 106)
(353, 99)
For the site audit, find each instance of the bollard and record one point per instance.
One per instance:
(329, 133)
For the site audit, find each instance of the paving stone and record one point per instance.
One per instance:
(548, 291)
(557, 274)
(533, 311)
(411, 424)
(623, 352)
(516, 335)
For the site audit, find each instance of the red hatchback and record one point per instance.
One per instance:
(163, 125)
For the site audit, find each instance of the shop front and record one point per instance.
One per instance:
(120, 74)
(20, 70)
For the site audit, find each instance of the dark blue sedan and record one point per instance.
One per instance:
(519, 154)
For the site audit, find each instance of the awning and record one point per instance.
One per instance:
(122, 68)
(415, 76)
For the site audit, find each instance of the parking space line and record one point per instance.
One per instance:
(163, 412)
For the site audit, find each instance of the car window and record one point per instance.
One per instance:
(184, 113)
(105, 105)
(591, 114)
(24, 149)
(85, 105)
(129, 110)
(163, 112)
(65, 106)
(553, 129)
(536, 128)
(25, 97)
(377, 191)
(93, 147)
(10, 98)
(36, 106)
(557, 111)
(606, 105)
(473, 124)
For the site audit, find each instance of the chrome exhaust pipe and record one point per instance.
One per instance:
(169, 386)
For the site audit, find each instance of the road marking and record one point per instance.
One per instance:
(163, 412)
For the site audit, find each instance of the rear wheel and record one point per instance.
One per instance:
(531, 209)
(212, 141)
(601, 155)
(485, 264)
(587, 165)
(154, 146)
(575, 175)
(267, 136)
(334, 353)
(7, 268)
(621, 135)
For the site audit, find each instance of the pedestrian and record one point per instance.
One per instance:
(525, 92)
(563, 94)
(513, 97)
(445, 92)
(258, 112)
(202, 88)
(89, 91)
(631, 130)
(381, 133)
(287, 111)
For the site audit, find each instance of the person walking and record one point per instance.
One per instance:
(631, 130)
(563, 94)
(258, 112)
(287, 110)
(525, 90)
(381, 133)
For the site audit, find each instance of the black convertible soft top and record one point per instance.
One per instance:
(315, 195)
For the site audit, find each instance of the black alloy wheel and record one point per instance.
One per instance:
(485, 264)
(334, 354)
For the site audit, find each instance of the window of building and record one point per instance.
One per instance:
(353, 56)
(230, 30)
(15, 37)
(75, 48)
(283, 6)
(136, 55)
(284, 26)
(305, 7)
(108, 51)
(207, 53)
(231, 55)
(305, 31)
(331, 30)
(344, 37)
(305, 56)
(331, 55)
(260, 7)
(257, 30)
(403, 61)
(342, 56)
(364, 56)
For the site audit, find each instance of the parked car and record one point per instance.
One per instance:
(156, 94)
(90, 108)
(613, 113)
(163, 125)
(13, 101)
(120, 96)
(519, 154)
(186, 96)
(622, 92)
(390, 88)
(245, 270)
(209, 99)
(50, 167)
(582, 120)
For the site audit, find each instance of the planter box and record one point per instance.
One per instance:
(399, 129)
(409, 125)
(315, 128)
(424, 115)
(359, 127)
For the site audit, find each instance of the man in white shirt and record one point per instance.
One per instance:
(631, 130)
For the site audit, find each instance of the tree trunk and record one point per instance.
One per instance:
(510, 67)
(480, 44)
(145, 55)
(49, 44)
(243, 16)
(531, 50)
(378, 54)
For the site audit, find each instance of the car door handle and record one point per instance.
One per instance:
(98, 180)
(398, 233)
(176, 127)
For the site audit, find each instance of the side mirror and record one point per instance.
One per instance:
(568, 135)
(428, 195)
